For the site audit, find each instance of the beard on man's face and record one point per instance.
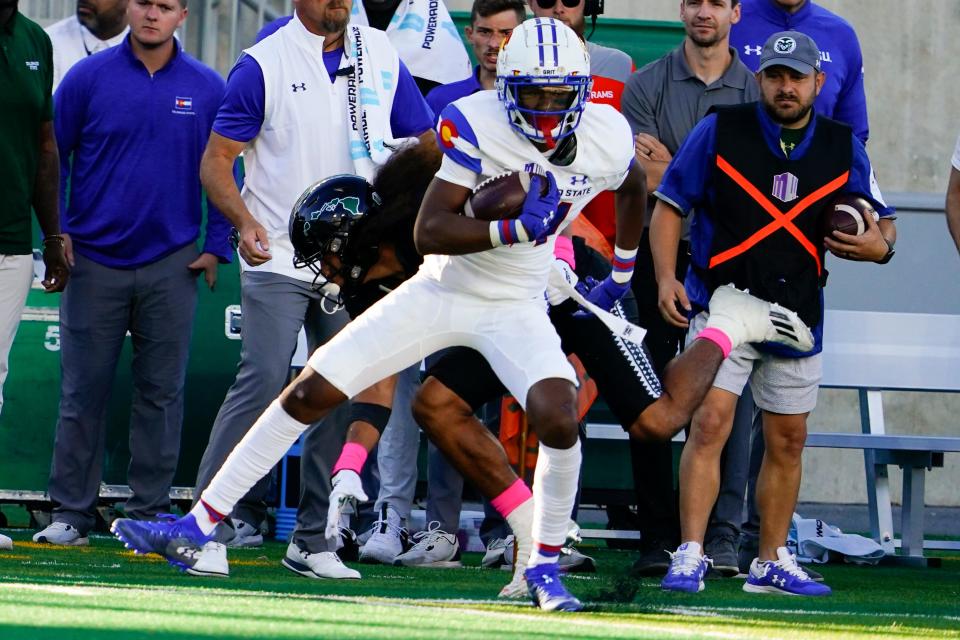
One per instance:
(786, 115)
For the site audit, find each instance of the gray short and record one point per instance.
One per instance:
(780, 385)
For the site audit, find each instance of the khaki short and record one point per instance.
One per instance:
(780, 385)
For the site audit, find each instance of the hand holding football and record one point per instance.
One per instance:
(499, 197)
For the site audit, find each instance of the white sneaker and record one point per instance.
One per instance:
(5, 542)
(499, 554)
(434, 548)
(211, 561)
(245, 535)
(746, 318)
(61, 533)
(386, 539)
(325, 564)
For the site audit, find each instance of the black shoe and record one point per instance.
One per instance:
(722, 549)
(653, 562)
(749, 549)
(349, 550)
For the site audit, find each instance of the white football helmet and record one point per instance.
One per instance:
(543, 52)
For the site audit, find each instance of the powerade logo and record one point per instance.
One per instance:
(431, 33)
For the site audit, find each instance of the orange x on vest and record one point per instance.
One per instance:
(780, 220)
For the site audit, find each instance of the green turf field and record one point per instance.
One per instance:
(104, 591)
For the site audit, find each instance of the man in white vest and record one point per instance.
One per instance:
(316, 99)
(421, 31)
(97, 25)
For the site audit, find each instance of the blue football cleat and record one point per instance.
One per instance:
(783, 576)
(687, 568)
(547, 591)
(180, 541)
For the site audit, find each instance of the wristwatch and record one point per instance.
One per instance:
(890, 251)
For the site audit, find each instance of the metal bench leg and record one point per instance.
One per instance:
(878, 485)
(911, 519)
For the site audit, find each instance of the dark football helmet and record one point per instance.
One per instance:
(325, 221)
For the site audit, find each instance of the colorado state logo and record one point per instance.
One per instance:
(448, 131)
(785, 44)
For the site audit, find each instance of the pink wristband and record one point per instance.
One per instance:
(717, 337)
(352, 457)
(563, 250)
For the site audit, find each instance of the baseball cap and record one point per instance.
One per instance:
(791, 49)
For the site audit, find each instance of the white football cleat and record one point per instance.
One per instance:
(245, 535)
(745, 318)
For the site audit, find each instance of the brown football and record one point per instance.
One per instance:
(498, 197)
(845, 214)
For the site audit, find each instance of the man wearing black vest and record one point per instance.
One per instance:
(758, 177)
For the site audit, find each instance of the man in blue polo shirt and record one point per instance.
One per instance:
(299, 106)
(134, 120)
(758, 176)
(842, 97)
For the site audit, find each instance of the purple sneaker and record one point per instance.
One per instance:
(547, 591)
(687, 568)
(783, 576)
(180, 541)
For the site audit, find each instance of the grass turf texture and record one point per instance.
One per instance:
(105, 592)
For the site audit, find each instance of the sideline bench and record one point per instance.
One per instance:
(874, 352)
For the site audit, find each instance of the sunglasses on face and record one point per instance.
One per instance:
(548, 4)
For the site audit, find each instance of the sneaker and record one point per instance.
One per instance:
(547, 591)
(387, 539)
(654, 560)
(750, 548)
(245, 535)
(211, 561)
(572, 561)
(61, 533)
(5, 542)
(325, 564)
(516, 589)
(434, 548)
(783, 576)
(722, 550)
(687, 568)
(499, 555)
(180, 541)
(746, 318)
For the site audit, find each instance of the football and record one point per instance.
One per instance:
(845, 214)
(498, 197)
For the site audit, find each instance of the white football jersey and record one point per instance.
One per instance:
(478, 142)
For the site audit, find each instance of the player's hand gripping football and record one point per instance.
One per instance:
(347, 492)
(539, 217)
(869, 246)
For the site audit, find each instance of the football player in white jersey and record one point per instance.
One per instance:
(481, 285)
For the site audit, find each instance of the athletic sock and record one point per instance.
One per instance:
(207, 517)
(515, 504)
(261, 449)
(554, 491)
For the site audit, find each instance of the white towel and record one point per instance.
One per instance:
(372, 84)
(813, 540)
(426, 39)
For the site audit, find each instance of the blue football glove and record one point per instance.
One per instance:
(605, 294)
(539, 216)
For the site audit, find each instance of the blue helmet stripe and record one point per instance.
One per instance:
(540, 41)
(556, 43)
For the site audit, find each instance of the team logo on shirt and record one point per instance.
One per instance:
(785, 187)
(183, 105)
(33, 65)
(447, 133)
